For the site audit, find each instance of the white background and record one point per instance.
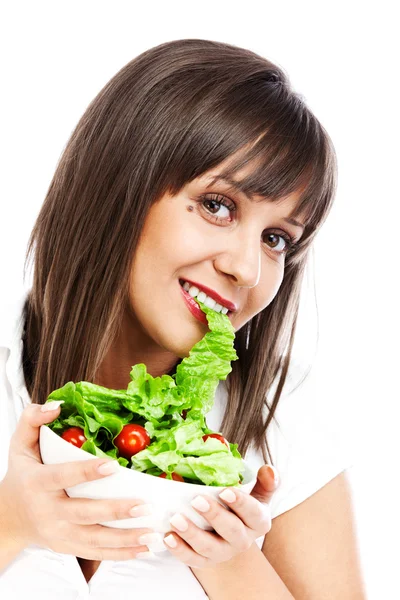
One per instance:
(344, 59)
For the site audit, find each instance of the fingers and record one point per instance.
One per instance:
(26, 435)
(98, 536)
(84, 511)
(101, 554)
(254, 514)
(266, 484)
(65, 475)
(234, 532)
(114, 554)
(206, 544)
(183, 552)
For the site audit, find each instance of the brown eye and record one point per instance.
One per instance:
(272, 240)
(212, 205)
(218, 207)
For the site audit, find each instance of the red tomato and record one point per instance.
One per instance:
(175, 476)
(132, 439)
(217, 436)
(75, 436)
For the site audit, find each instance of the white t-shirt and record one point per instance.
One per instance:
(306, 448)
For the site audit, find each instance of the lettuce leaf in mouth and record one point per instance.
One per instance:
(157, 403)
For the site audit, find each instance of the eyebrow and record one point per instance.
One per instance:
(236, 185)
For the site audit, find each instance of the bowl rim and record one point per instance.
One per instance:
(250, 470)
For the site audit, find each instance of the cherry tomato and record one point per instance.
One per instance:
(217, 436)
(175, 476)
(132, 439)
(75, 436)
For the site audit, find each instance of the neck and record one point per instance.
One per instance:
(115, 368)
(132, 346)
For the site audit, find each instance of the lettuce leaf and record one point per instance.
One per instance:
(157, 403)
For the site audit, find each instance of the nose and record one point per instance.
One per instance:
(242, 260)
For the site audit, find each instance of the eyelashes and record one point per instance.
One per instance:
(219, 200)
(209, 202)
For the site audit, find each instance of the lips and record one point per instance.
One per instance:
(209, 292)
(194, 307)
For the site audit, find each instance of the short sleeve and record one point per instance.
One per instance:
(309, 439)
(312, 441)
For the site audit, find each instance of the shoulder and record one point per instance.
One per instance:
(309, 442)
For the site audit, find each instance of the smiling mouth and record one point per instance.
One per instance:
(197, 293)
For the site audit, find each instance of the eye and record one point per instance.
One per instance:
(273, 238)
(218, 207)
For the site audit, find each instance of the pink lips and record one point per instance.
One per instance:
(194, 307)
(229, 305)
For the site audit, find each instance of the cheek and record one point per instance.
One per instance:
(270, 283)
(276, 282)
(261, 296)
(171, 238)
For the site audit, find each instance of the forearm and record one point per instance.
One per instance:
(10, 545)
(249, 575)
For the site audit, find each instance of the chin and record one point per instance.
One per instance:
(182, 346)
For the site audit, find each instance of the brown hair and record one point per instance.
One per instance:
(171, 114)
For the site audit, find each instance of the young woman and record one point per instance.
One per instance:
(196, 163)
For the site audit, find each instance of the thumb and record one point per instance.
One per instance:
(267, 483)
(25, 439)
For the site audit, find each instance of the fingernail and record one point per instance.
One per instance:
(145, 555)
(274, 474)
(200, 504)
(109, 467)
(51, 405)
(228, 496)
(149, 538)
(179, 522)
(142, 510)
(171, 541)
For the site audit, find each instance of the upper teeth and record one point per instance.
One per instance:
(195, 292)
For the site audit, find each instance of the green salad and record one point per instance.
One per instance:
(158, 425)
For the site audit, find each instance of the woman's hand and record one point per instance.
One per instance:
(36, 509)
(235, 531)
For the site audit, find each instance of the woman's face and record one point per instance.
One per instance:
(235, 250)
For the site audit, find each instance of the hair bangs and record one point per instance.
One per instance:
(306, 164)
(293, 154)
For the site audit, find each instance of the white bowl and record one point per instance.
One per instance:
(166, 496)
